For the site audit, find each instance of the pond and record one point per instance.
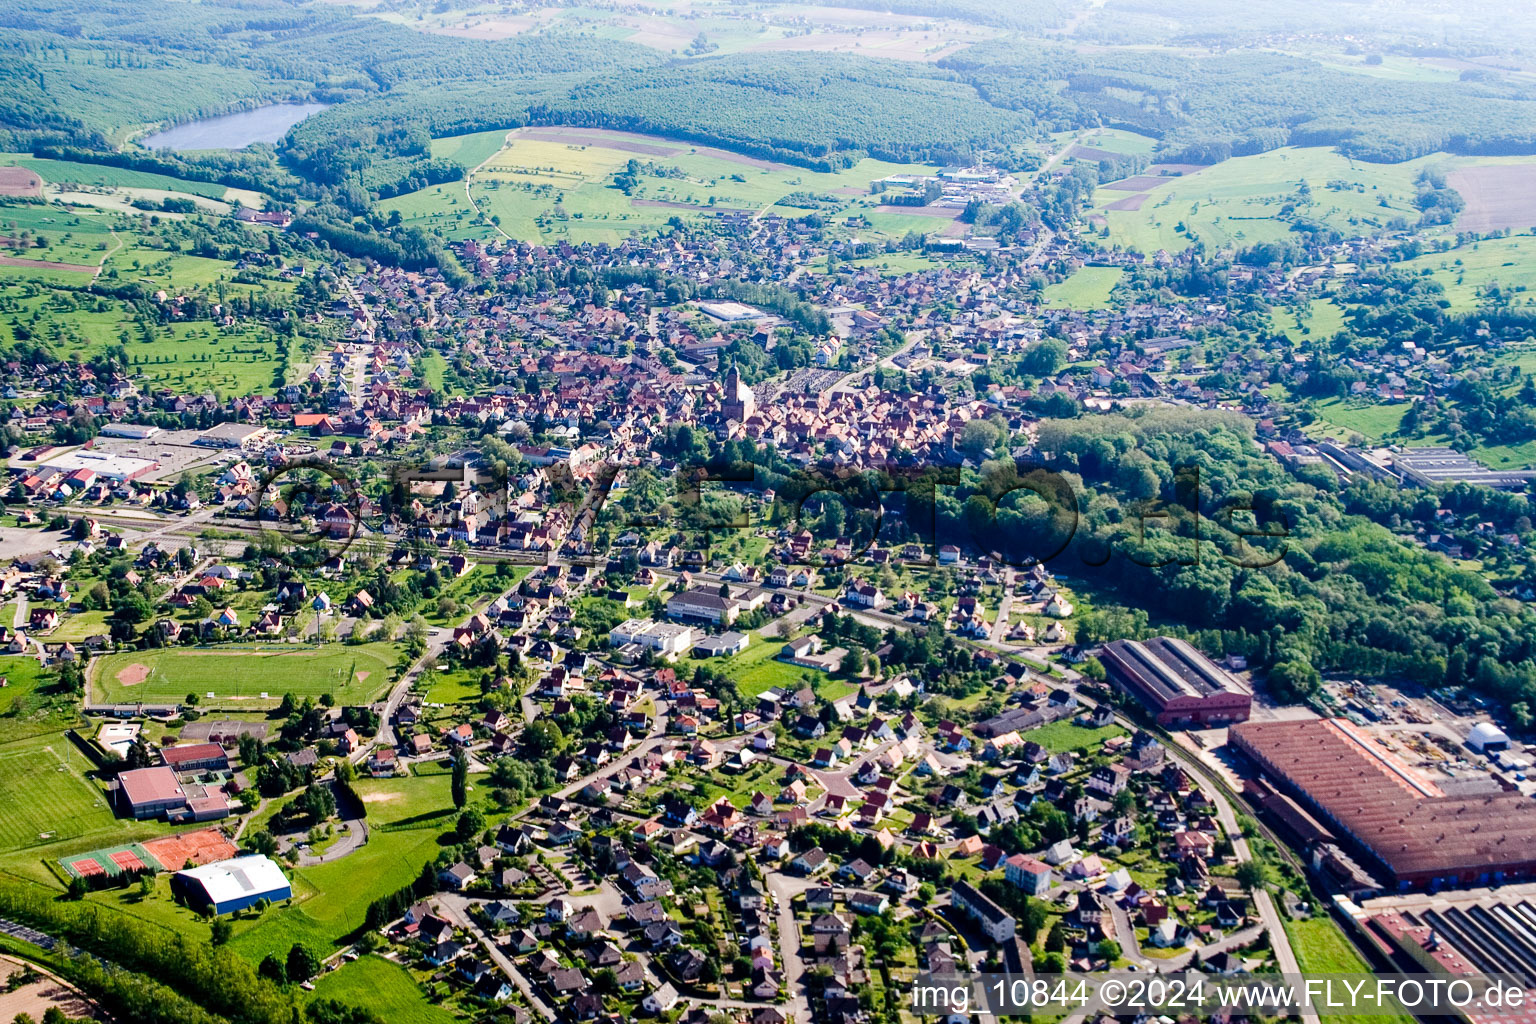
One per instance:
(234, 131)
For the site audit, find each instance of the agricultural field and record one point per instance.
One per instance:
(554, 183)
(239, 676)
(53, 243)
(384, 987)
(675, 28)
(1495, 267)
(1248, 200)
(1088, 288)
(45, 797)
(68, 173)
(1498, 194)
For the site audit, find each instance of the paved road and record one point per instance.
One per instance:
(456, 909)
(784, 888)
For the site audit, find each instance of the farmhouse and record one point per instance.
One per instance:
(231, 885)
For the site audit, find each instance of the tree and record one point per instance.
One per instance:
(1109, 949)
(220, 931)
(303, 963)
(460, 780)
(78, 888)
(1252, 874)
(1056, 939)
(271, 967)
(710, 972)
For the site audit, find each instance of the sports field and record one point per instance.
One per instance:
(44, 795)
(240, 675)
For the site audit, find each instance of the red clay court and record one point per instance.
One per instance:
(127, 861)
(85, 867)
(201, 847)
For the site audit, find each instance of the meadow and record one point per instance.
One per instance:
(1469, 273)
(77, 238)
(31, 702)
(240, 674)
(548, 184)
(1243, 201)
(45, 797)
(187, 356)
(68, 172)
(758, 668)
(384, 987)
(1087, 288)
(1340, 417)
(1321, 318)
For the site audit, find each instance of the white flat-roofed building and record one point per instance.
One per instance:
(132, 431)
(664, 638)
(231, 885)
(113, 467)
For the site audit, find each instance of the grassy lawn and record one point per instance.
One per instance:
(351, 674)
(45, 796)
(412, 800)
(30, 703)
(757, 668)
(1322, 949)
(1372, 420)
(386, 988)
(1059, 737)
(81, 625)
(331, 899)
(1323, 318)
(1088, 288)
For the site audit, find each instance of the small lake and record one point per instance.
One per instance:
(234, 131)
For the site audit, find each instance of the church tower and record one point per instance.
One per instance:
(738, 402)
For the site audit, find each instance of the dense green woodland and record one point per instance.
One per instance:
(1240, 555)
(88, 74)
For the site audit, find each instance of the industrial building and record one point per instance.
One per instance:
(1418, 831)
(132, 431)
(1182, 686)
(1481, 932)
(116, 468)
(231, 885)
(1421, 467)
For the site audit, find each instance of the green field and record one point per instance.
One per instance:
(55, 235)
(1242, 201)
(1088, 288)
(538, 189)
(469, 151)
(386, 988)
(1470, 272)
(68, 172)
(1322, 949)
(238, 675)
(1323, 318)
(758, 668)
(1340, 417)
(29, 702)
(45, 797)
(1059, 737)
